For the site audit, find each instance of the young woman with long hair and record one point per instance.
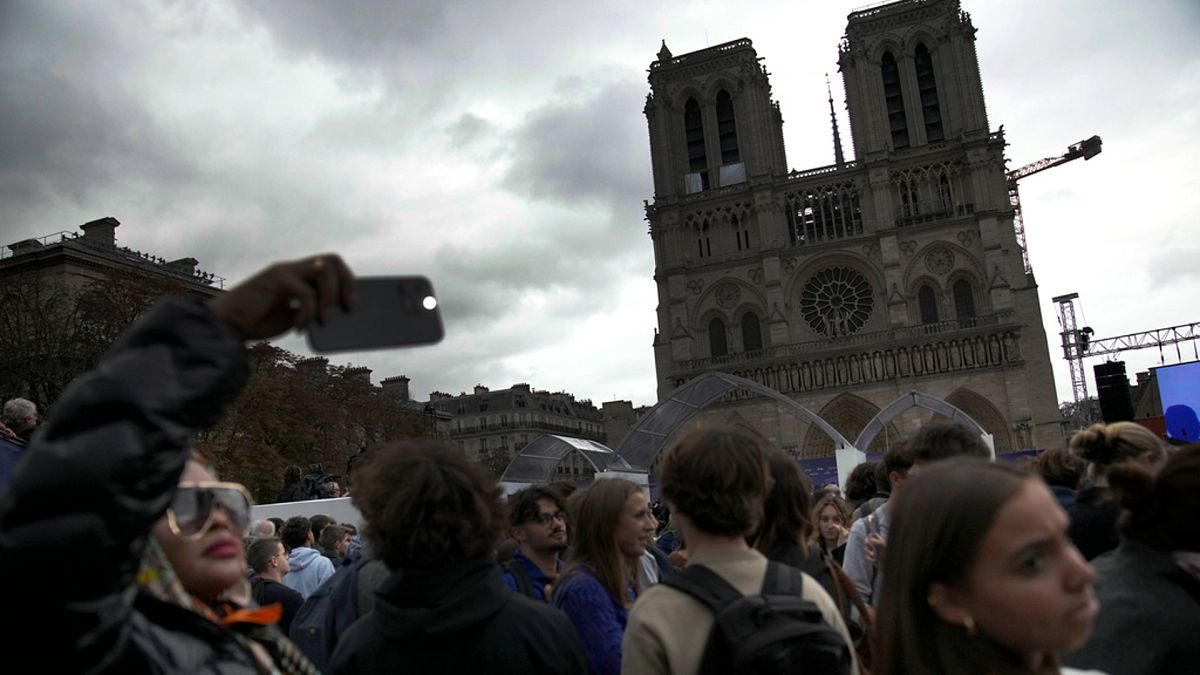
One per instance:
(831, 520)
(981, 576)
(612, 524)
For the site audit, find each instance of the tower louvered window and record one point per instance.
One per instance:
(727, 129)
(893, 100)
(693, 125)
(927, 88)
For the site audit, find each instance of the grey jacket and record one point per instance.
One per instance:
(1149, 622)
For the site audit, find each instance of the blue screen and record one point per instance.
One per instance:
(1179, 390)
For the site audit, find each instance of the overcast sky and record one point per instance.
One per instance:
(500, 149)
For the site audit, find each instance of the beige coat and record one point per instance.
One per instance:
(668, 629)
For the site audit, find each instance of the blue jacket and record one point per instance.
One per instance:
(310, 569)
(10, 452)
(537, 578)
(598, 617)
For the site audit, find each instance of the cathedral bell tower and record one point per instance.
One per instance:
(846, 286)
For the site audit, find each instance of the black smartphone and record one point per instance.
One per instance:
(390, 312)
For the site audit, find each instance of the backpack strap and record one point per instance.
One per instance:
(258, 590)
(782, 580)
(704, 585)
(517, 570)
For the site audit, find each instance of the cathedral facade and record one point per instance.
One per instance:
(849, 285)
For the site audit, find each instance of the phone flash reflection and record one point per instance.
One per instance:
(429, 302)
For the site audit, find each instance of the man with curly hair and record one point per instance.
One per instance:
(537, 517)
(714, 481)
(434, 518)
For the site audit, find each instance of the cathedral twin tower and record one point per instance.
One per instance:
(846, 286)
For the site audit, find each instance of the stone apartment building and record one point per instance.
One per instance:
(492, 426)
(65, 297)
(846, 286)
(94, 256)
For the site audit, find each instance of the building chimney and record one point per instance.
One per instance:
(438, 396)
(184, 266)
(312, 364)
(358, 374)
(396, 387)
(101, 232)
(480, 389)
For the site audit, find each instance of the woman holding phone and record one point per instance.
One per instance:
(127, 549)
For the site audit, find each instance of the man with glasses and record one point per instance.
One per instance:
(267, 557)
(538, 522)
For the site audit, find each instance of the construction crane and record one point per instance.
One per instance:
(1086, 149)
(1078, 342)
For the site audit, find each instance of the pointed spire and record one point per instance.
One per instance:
(837, 137)
(664, 54)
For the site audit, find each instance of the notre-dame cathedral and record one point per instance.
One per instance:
(846, 286)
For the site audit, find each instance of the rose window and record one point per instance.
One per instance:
(836, 301)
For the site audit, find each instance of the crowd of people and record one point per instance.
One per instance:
(133, 556)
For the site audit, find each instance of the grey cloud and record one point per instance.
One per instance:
(1174, 266)
(67, 123)
(584, 148)
(371, 33)
(469, 129)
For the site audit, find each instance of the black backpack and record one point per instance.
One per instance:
(333, 607)
(313, 481)
(775, 631)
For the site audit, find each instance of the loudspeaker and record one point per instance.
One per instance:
(1112, 386)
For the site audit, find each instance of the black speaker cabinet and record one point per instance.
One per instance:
(1112, 387)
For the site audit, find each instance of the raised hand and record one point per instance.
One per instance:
(286, 295)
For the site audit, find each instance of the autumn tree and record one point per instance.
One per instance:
(55, 326)
(303, 412)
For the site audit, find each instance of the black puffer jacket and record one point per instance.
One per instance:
(79, 509)
(458, 619)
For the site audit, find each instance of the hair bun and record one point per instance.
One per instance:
(1093, 445)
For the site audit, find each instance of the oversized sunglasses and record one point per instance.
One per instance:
(190, 514)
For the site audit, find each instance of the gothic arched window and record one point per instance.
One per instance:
(693, 126)
(927, 88)
(893, 99)
(751, 332)
(964, 299)
(716, 338)
(945, 196)
(927, 302)
(727, 129)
